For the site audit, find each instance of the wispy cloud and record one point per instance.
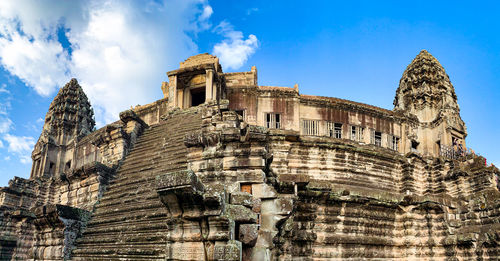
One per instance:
(21, 146)
(5, 124)
(252, 10)
(234, 50)
(3, 89)
(118, 50)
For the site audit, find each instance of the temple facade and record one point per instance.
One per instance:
(222, 168)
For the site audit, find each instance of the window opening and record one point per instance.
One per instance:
(197, 96)
(241, 113)
(357, 133)
(52, 167)
(334, 130)
(393, 142)
(414, 146)
(338, 130)
(273, 120)
(310, 127)
(68, 165)
(378, 138)
(246, 188)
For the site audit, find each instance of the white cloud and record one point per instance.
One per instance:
(19, 144)
(120, 50)
(207, 12)
(3, 89)
(5, 124)
(25, 159)
(234, 50)
(6, 158)
(252, 10)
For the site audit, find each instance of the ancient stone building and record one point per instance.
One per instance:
(222, 168)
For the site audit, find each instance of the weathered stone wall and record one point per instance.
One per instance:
(236, 79)
(205, 183)
(256, 101)
(324, 199)
(151, 113)
(29, 233)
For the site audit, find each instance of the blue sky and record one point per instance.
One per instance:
(120, 51)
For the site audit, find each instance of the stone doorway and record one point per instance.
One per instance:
(197, 96)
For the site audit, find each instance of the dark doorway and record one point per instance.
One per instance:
(197, 96)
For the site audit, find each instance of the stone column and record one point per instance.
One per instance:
(209, 85)
(172, 91)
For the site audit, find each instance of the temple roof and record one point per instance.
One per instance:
(198, 59)
(423, 75)
(69, 112)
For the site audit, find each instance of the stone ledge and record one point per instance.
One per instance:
(185, 181)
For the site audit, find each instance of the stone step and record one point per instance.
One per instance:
(130, 222)
(153, 225)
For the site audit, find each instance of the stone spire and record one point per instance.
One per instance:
(425, 89)
(69, 118)
(425, 93)
(70, 114)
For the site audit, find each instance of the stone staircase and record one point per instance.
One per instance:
(130, 222)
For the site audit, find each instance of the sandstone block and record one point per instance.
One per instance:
(241, 214)
(263, 191)
(243, 162)
(279, 206)
(242, 198)
(192, 251)
(230, 251)
(256, 205)
(220, 229)
(181, 180)
(248, 234)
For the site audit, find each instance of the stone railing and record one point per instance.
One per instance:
(457, 153)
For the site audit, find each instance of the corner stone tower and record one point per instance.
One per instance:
(69, 118)
(426, 96)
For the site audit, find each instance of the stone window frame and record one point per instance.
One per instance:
(273, 120)
(356, 133)
(393, 142)
(334, 129)
(310, 127)
(373, 138)
(243, 113)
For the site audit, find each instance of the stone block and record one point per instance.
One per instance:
(278, 206)
(220, 228)
(261, 254)
(243, 162)
(265, 238)
(179, 182)
(94, 187)
(241, 214)
(256, 205)
(263, 191)
(193, 251)
(250, 175)
(227, 251)
(268, 221)
(242, 198)
(248, 234)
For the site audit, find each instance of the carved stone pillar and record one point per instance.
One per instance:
(172, 91)
(209, 86)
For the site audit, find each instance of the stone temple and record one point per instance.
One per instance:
(222, 168)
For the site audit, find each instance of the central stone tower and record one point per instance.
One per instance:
(426, 95)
